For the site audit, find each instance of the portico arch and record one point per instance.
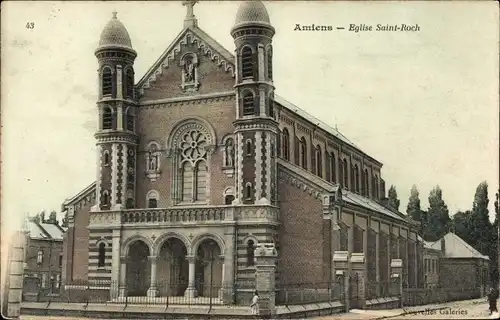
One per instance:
(173, 266)
(199, 239)
(138, 270)
(164, 237)
(126, 244)
(209, 266)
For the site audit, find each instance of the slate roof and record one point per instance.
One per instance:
(455, 247)
(367, 203)
(44, 231)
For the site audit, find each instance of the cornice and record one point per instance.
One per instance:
(180, 101)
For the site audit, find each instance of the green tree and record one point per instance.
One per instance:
(481, 229)
(413, 209)
(461, 226)
(393, 198)
(438, 218)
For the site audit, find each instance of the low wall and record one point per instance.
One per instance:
(422, 296)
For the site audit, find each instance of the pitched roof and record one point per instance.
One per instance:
(44, 231)
(367, 203)
(455, 247)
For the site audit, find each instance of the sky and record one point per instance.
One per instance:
(424, 103)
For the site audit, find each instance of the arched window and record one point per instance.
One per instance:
(246, 63)
(270, 63)
(152, 203)
(250, 253)
(333, 168)
(248, 191)
(303, 153)
(102, 255)
(367, 184)
(192, 145)
(107, 118)
(356, 178)
(286, 144)
(129, 80)
(130, 125)
(106, 158)
(375, 187)
(248, 147)
(346, 174)
(319, 163)
(341, 173)
(248, 104)
(228, 199)
(271, 107)
(107, 81)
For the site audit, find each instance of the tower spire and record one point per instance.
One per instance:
(190, 20)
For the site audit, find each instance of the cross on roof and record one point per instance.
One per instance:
(190, 20)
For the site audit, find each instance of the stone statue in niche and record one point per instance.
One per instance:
(189, 70)
(229, 153)
(153, 159)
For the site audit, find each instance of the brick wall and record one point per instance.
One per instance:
(156, 123)
(80, 240)
(301, 240)
(212, 77)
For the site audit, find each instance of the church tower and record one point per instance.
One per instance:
(256, 129)
(116, 136)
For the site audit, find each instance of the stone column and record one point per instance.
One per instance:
(228, 267)
(123, 277)
(16, 274)
(396, 288)
(115, 264)
(191, 290)
(153, 290)
(265, 270)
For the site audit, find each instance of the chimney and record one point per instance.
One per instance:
(443, 246)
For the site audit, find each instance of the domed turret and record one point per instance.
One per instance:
(115, 35)
(252, 12)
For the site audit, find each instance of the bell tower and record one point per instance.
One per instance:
(116, 136)
(255, 127)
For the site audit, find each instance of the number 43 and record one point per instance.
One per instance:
(30, 25)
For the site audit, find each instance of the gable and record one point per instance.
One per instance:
(212, 70)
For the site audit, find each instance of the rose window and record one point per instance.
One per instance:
(193, 145)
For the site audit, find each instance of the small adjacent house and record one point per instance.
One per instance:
(43, 262)
(452, 263)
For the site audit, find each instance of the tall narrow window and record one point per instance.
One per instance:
(270, 63)
(248, 147)
(341, 173)
(201, 181)
(271, 108)
(376, 187)
(130, 120)
(102, 255)
(346, 174)
(319, 163)
(130, 83)
(106, 158)
(246, 63)
(248, 191)
(248, 104)
(39, 258)
(356, 178)
(303, 153)
(250, 253)
(333, 168)
(107, 118)
(367, 184)
(286, 144)
(187, 182)
(105, 198)
(60, 260)
(107, 81)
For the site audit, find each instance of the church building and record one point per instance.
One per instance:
(200, 161)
